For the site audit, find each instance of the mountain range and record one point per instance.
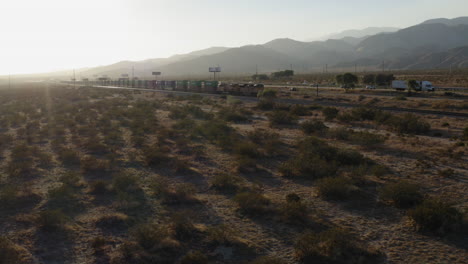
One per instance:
(436, 43)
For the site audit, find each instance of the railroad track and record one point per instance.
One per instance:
(295, 101)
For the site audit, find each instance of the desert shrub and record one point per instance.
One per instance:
(180, 166)
(98, 243)
(349, 157)
(402, 193)
(246, 164)
(366, 138)
(267, 94)
(8, 196)
(71, 179)
(68, 156)
(183, 227)
(294, 210)
(221, 235)
(363, 113)
(446, 173)
(313, 127)
(51, 220)
(156, 155)
(331, 246)
(264, 104)
(125, 183)
(90, 164)
(149, 236)
(184, 192)
(226, 182)
(232, 114)
(269, 141)
(181, 112)
(94, 146)
(194, 257)
(21, 163)
(335, 188)
(9, 253)
(409, 124)
(281, 118)
(160, 186)
(181, 193)
(330, 113)
(246, 149)
(218, 132)
(99, 187)
(339, 133)
(465, 133)
(437, 216)
(252, 202)
(400, 97)
(308, 166)
(113, 221)
(44, 159)
(267, 260)
(316, 159)
(299, 110)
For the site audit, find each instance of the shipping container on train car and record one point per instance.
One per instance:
(210, 87)
(160, 85)
(170, 85)
(181, 86)
(195, 86)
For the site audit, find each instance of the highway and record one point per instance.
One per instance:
(292, 101)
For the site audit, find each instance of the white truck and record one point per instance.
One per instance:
(421, 86)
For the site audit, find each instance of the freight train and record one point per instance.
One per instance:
(214, 87)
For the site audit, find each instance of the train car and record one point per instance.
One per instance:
(170, 85)
(233, 88)
(255, 89)
(195, 86)
(210, 87)
(181, 86)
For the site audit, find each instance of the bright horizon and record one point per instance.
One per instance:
(55, 35)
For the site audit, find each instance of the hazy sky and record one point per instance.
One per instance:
(46, 35)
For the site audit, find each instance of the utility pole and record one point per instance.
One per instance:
(355, 68)
(74, 79)
(326, 68)
(133, 76)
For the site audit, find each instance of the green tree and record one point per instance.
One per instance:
(384, 79)
(349, 80)
(283, 74)
(412, 85)
(260, 77)
(368, 79)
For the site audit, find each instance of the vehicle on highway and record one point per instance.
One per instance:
(400, 85)
(371, 87)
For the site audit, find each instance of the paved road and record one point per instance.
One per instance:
(296, 101)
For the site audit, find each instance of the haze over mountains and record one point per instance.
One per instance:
(436, 43)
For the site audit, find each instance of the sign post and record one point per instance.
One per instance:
(156, 74)
(214, 70)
